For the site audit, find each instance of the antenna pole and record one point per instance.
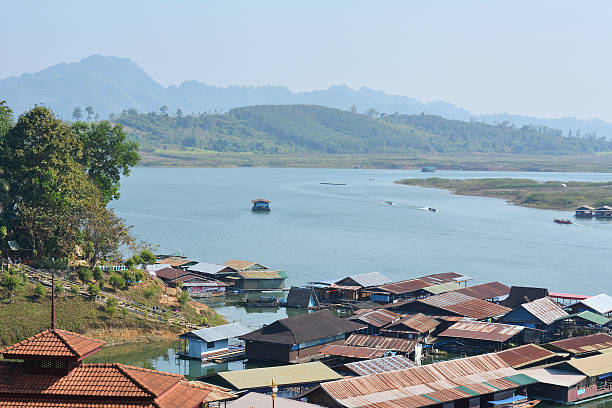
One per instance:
(52, 301)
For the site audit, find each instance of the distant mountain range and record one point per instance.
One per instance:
(111, 85)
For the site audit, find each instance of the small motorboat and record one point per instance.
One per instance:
(389, 202)
(518, 401)
(432, 209)
(562, 221)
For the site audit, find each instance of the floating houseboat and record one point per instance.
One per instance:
(213, 342)
(603, 212)
(298, 339)
(260, 204)
(584, 211)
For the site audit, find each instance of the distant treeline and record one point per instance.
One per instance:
(312, 128)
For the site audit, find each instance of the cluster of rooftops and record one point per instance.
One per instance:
(203, 278)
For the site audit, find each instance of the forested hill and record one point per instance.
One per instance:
(311, 128)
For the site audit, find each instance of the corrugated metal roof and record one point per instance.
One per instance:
(554, 376)
(482, 331)
(489, 290)
(445, 299)
(225, 331)
(418, 322)
(568, 296)
(209, 268)
(305, 327)
(403, 287)
(240, 265)
(545, 310)
(465, 305)
(170, 273)
(601, 303)
(599, 364)
(380, 365)
(352, 351)
(283, 375)
(442, 288)
(367, 280)
(581, 345)
(382, 342)
(255, 399)
(523, 355)
(590, 316)
(377, 317)
(412, 285)
(174, 261)
(262, 274)
(424, 385)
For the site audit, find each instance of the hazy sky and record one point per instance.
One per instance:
(544, 58)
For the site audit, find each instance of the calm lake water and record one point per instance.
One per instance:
(317, 231)
(322, 232)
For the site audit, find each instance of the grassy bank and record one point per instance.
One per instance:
(455, 161)
(25, 314)
(525, 192)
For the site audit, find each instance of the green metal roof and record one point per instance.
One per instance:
(467, 390)
(442, 288)
(590, 316)
(431, 398)
(283, 375)
(521, 379)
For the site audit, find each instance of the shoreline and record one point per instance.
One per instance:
(467, 162)
(551, 195)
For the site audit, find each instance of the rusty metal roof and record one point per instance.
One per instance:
(482, 331)
(418, 322)
(486, 290)
(380, 365)
(465, 305)
(545, 310)
(581, 345)
(426, 385)
(381, 342)
(523, 355)
(377, 317)
(412, 285)
(352, 351)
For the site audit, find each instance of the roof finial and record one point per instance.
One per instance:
(52, 301)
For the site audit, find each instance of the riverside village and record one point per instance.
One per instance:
(306, 204)
(439, 340)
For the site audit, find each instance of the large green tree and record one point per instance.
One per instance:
(59, 179)
(107, 155)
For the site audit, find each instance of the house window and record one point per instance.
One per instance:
(210, 344)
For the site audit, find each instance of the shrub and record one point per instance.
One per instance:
(59, 289)
(39, 291)
(94, 290)
(183, 298)
(85, 274)
(116, 281)
(98, 274)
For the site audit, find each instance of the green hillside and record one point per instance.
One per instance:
(316, 129)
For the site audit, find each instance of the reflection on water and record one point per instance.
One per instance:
(162, 356)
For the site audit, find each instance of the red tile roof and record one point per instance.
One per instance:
(49, 379)
(54, 343)
(115, 385)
